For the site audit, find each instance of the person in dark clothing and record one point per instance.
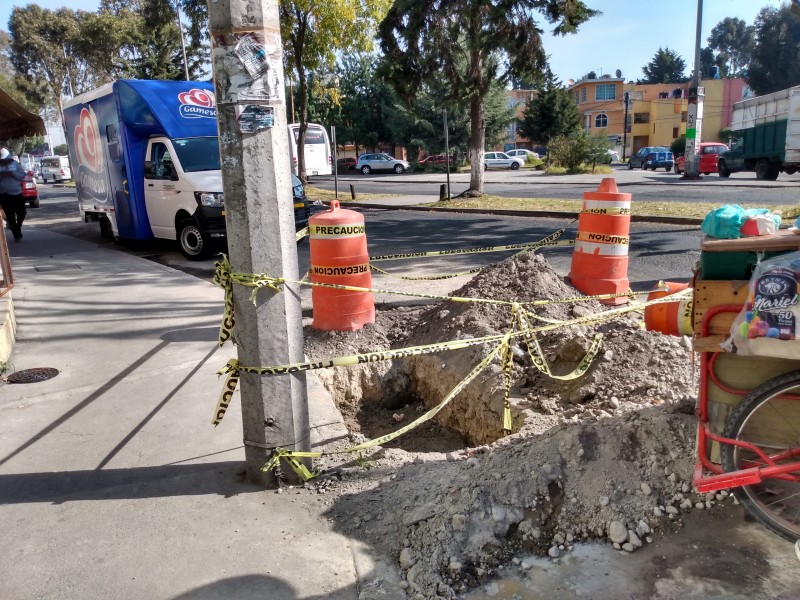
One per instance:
(11, 176)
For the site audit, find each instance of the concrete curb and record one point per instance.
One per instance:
(526, 213)
(8, 327)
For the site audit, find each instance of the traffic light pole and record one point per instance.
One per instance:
(694, 112)
(259, 216)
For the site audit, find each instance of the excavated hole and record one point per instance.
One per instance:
(633, 368)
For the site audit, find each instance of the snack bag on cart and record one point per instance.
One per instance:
(769, 323)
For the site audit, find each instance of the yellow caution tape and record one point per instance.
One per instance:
(339, 271)
(305, 474)
(344, 230)
(426, 278)
(612, 210)
(545, 241)
(301, 234)
(602, 238)
(508, 365)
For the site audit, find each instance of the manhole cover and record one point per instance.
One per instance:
(32, 375)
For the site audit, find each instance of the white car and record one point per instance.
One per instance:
(501, 160)
(522, 153)
(367, 163)
(614, 155)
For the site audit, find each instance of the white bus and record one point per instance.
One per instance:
(319, 160)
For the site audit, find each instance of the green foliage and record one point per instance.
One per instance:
(313, 32)
(666, 66)
(733, 40)
(551, 113)
(775, 61)
(569, 151)
(597, 149)
(724, 135)
(61, 150)
(471, 44)
(678, 146)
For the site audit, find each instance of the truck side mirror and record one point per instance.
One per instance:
(173, 173)
(149, 169)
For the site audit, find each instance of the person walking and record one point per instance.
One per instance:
(11, 176)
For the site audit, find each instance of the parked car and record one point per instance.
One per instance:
(652, 157)
(367, 163)
(709, 154)
(522, 153)
(501, 160)
(347, 163)
(613, 155)
(435, 160)
(29, 190)
(55, 169)
(301, 209)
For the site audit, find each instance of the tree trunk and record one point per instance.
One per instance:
(302, 90)
(476, 146)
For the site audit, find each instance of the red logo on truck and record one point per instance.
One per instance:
(89, 153)
(197, 104)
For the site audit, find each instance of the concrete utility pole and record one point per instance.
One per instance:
(625, 97)
(253, 140)
(694, 112)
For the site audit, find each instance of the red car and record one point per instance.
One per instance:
(347, 163)
(708, 152)
(30, 192)
(435, 160)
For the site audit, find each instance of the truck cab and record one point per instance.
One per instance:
(182, 192)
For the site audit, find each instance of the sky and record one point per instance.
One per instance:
(624, 37)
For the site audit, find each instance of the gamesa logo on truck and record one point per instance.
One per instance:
(197, 104)
(91, 164)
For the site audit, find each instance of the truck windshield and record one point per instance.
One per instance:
(197, 154)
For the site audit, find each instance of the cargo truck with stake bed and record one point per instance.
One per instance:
(766, 136)
(147, 163)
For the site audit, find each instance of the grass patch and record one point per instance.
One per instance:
(315, 194)
(695, 210)
(582, 170)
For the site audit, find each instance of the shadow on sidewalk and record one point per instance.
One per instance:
(249, 587)
(222, 478)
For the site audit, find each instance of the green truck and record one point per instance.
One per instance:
(766, 136)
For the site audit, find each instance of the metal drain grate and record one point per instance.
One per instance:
(32, 375)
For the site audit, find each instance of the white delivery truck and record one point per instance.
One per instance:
(147, 163)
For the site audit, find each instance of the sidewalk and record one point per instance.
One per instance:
(113, 482)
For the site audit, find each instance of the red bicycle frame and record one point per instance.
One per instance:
(709, 476)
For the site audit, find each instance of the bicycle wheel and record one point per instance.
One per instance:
(768, 418)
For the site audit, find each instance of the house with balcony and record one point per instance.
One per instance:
(601, 103)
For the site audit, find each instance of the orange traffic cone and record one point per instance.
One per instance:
(600, 259)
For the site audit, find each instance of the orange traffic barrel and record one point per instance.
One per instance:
(338, 245)
(600, 259)
(670, 318)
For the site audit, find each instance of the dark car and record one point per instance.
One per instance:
(301, 209)
(348, 163)
(29, 191)
(652, 157)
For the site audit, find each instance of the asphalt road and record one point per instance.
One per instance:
(740, 188)
(657, 251)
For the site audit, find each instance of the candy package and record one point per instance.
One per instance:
(769, 323)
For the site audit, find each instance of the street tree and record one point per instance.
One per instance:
(313, 32)
(551, 113)
(472, 44)
(666, 66)
(597, 147)
(733, 39)
(775, 61)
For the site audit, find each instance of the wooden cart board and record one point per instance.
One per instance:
(736, 259)
(781, 240)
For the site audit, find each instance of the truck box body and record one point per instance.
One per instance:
(767, 130)
(109, 135)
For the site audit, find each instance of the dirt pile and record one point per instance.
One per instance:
(452, 522)
(608, 455)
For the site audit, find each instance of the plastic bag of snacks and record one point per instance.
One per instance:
(732, 221)
(769, 323)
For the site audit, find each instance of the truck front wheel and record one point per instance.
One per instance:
(194, 244)
(723, 169)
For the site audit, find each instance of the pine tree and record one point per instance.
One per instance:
(551, 113)
(665, 67)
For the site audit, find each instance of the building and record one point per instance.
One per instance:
(602, 106)
(518, 100)
(656, 112)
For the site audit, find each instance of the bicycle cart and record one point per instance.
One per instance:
(748, 408)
